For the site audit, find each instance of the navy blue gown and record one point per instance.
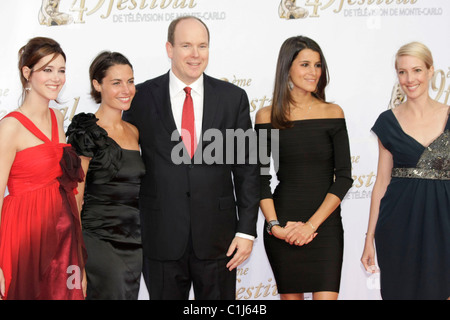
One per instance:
(412, 235)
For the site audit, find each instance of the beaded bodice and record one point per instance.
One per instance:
(434, 162)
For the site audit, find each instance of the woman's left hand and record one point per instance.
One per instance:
(2, 285)
(84, 283)
(300, 234)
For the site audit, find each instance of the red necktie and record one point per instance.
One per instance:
(188, 124)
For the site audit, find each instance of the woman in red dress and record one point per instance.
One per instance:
(41, 249)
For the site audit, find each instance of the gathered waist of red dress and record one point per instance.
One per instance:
(16, 189)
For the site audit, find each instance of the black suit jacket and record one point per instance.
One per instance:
(210, 201)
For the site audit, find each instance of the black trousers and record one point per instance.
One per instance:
(172, 280)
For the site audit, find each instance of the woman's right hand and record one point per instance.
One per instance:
(2, 285)
(279, 232)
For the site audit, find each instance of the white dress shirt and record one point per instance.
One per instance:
(177, 97)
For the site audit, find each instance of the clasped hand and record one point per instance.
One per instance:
(297, 233)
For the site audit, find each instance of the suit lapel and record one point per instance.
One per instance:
(210, 104)
(163, 105)
(161, 95)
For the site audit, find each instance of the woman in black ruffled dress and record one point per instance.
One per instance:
(108, 199)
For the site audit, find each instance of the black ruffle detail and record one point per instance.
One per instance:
(92, 141)
(72, 173)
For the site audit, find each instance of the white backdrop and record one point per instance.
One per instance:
(359, 39)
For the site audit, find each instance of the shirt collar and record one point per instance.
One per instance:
(176, 85)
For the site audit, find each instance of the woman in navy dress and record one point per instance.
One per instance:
(410, 207)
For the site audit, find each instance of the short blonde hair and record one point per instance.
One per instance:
(417, 50)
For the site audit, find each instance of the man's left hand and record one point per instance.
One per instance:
(243, 249)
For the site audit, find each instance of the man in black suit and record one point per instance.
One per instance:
(198, 217)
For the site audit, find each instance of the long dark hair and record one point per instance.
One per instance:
(281, 93)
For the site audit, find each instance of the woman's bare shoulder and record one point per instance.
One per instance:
(10, 129)
(263, 115)
(333, 111)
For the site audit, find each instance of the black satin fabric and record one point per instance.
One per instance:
(110, 214)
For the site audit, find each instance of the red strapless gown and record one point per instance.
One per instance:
(41, 248)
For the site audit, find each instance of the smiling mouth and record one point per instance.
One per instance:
(194, 64)
(412, 87)
(124, 100)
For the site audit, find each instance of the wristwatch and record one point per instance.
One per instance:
(270, 225)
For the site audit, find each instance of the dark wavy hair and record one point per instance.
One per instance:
(281, 93)
(99, 67)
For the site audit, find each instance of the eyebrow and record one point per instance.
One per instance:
(49, 66)
(310, 61)
(191, 43)
(411, 68)
(132, 78)
(52, 66)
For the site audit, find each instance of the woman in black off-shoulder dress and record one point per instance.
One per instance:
(307, 138)
(111, 159)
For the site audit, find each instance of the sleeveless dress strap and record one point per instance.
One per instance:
(55, 131)
(27, 123)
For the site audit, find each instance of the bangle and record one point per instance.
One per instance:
(270, 225)
(311, 225)
(370, 234)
